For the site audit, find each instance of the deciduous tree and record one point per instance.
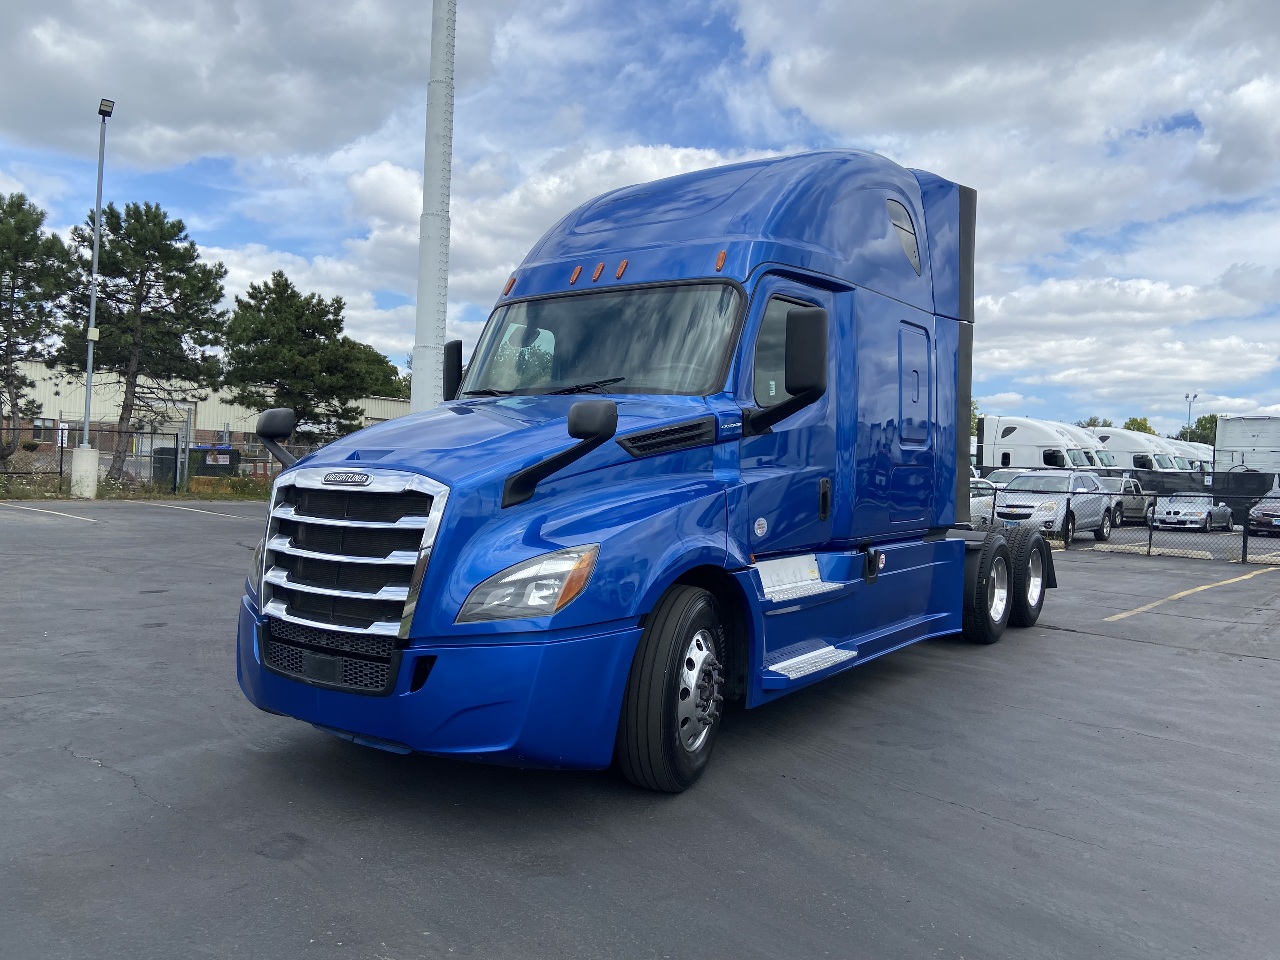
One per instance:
(1204, 430)
(1140, 425)
(1094, 422)
(35, 274)
(287, 349)
(157, 315)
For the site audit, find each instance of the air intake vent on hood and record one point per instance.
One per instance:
(681, 436)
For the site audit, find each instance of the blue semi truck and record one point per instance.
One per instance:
(712, 445)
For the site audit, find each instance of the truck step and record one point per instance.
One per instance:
(811, 662)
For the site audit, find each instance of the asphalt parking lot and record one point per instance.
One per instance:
(1106, 784)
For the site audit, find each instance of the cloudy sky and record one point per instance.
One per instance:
(1126, 153)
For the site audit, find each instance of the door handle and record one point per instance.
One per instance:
(824, 498)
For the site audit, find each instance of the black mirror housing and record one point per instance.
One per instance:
(805, 373)
(592, 422)
(591, 419)
(452, 369)
(806, 358)
(276, 424)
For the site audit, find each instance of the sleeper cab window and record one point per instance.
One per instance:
(771, 354)
(906, 232)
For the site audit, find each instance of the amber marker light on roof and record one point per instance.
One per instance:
(622, 268)
(510, 283)
(599, 270)
(720, 260)
(573, 278)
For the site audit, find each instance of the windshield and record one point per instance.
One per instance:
(1192, 499)
(1164, 462)
(669, 340)
(1002, 476)
(1181, 463)
(1114, 484)
(1033, 484)
(1077, 458)
(1106, 459)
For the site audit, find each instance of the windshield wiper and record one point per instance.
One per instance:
(487, 392)
(584, 387)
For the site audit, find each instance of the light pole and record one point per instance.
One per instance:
(91, 335)
(1190, 398)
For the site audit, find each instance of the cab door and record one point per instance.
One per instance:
(789, 470)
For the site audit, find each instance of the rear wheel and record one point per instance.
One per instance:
(986, 590)
(1103, 532)
(1029, 562)
(671, 708)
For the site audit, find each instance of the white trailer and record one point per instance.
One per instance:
(1248, 443)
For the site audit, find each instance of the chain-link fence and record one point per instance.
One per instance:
(40, 459)
(1195, 524)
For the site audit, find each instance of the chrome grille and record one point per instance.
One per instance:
(341, 574)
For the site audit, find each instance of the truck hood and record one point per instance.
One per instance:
(468, 438)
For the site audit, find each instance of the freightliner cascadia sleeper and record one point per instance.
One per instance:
(712, 444)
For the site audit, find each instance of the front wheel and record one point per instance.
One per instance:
(1118, 516)
(1069, 528)
(671, 708)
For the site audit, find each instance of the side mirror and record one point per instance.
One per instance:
(452, 369)
(274, 426)
(806, 358)
(589, 419)
(805, 369)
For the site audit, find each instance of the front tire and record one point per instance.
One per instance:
(1069, 528)
(986, 590)
(671, 709)
(1118, 516)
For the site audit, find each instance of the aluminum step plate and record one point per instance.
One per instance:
(812, 662)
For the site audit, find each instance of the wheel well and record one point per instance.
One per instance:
(733, 605)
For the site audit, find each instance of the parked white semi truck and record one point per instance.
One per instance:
(1248, 443)
(1027, 443)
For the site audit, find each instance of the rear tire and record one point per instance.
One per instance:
(671, 708)
(986, 590)
(1029, 556)
(1103, 533)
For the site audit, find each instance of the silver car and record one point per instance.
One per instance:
(1070, 501)
(982, 501)
(1191, 511)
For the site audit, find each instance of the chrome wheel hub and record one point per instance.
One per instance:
(998, 590)
(698, 696)
(1035, 578)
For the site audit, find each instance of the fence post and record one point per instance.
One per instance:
(175, 463)
(1066, 540)
(1244, 543)
(1151, 522)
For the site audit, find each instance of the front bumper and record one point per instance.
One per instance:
(531, 703)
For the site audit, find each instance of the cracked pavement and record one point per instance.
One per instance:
(1082, 788)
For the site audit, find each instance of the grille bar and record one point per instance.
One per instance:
(280, 578)
(280, 610)
(286, 512)
(282, 544)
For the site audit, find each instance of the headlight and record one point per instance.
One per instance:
(1049, 506)
(255, 571)
(535, 588)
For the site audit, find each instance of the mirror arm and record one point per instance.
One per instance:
(521, 484)
(279, 452)
(760, 420)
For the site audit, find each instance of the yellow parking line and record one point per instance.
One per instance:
(69, 516)
(1185, 593)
